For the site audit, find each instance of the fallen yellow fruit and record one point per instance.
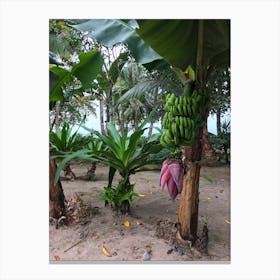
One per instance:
(106, 252)
(126, 224)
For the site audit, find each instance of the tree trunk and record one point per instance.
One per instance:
(151, 128)
(189, 200)
(91, 172)
(57, 113)
(188, 208)
(56, 195)
(207, 151)
(101, 114)
(218, 113)
(68, 173)
(122, 118)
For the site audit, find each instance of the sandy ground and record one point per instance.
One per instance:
(103, 228)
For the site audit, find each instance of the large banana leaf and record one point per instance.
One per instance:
(177, 41)
(110, 32)
(86, 70)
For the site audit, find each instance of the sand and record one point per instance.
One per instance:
(101, 227)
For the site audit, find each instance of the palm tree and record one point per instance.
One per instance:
(146, 93)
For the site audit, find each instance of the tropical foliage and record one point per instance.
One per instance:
(126, 153)
(64, 140)
(221, 143)
(129, 71)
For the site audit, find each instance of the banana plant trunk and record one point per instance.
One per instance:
(56, 195)
(189, 199)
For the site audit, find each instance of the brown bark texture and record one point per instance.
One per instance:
(56, 195)
(189, 200)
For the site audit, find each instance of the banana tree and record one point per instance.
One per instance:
(202, 44)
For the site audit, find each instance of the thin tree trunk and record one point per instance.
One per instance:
(151, 128)
(122, 119)
(56, 195)
(110, 100)
(101, 114)
(218, 113)
(57, 113)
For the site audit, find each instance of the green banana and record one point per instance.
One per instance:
(181, 127)
(176, 140)
(180, 109)
(187, 134)
(185, 110)
(174, 130)
(189, 110)
(193, 109)
(168, 135)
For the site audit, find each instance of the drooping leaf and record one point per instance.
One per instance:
(64, 76)
(86, 70)
(89, 66)
(113, 31)
(112, 172)
(176, 40)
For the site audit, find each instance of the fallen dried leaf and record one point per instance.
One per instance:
(223, 243)
(126, 224)
(141, 195)
(138, 257)
(204, 200)
(94, 237)
(177, 212)
(138, 223)
(227, 221)
(56, 258)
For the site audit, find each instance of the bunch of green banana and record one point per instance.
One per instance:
(183, 118)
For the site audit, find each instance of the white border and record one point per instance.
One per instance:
(255, 138)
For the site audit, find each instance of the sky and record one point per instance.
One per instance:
(93, 122)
